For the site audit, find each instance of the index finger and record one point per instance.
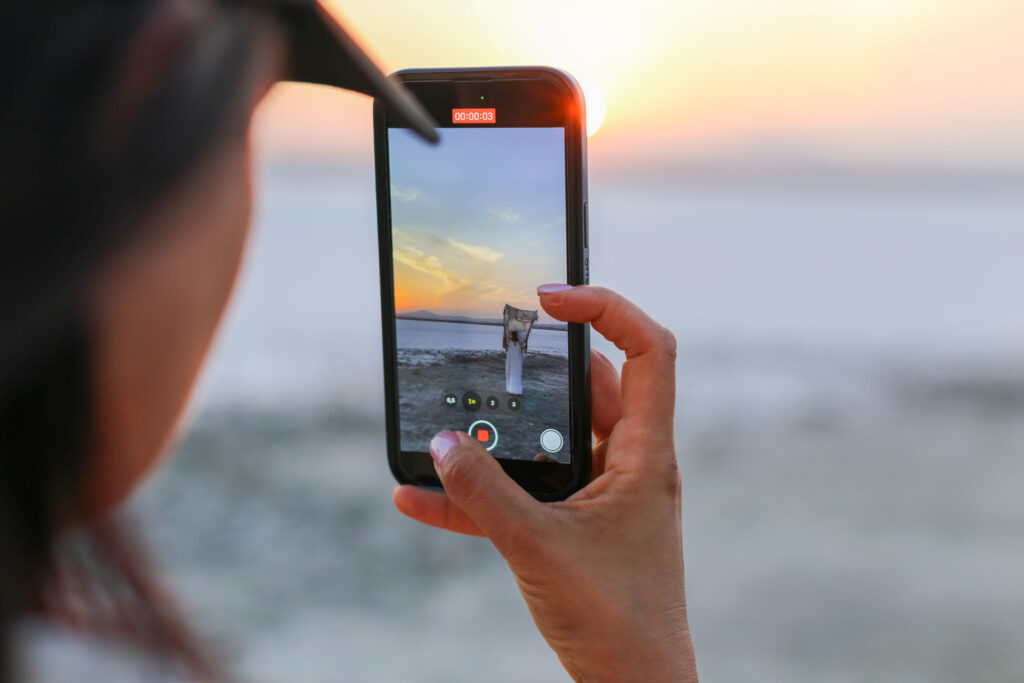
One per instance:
(648, 375)
(433, 508)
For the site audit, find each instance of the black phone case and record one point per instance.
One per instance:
(578, 268)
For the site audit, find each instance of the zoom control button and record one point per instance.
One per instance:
(471, 400)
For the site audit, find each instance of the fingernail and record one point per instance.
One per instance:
(552, 288)
(442, 442)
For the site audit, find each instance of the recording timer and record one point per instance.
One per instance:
(473, 115)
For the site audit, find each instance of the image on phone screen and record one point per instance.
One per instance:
(478, 221)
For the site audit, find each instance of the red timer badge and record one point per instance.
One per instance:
(473, 115)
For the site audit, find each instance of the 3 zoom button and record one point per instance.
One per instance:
(484, 432)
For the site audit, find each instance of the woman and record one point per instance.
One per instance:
(514, 338)
(125, 206)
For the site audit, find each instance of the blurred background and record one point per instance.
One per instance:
(824, 199)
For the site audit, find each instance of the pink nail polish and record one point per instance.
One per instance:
(441, 444)
(553, 288)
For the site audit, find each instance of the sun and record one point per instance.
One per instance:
(595, 105)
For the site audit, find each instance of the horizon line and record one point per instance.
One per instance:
(468, 320)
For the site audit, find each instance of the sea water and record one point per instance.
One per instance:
(850, 425)
(432, 335)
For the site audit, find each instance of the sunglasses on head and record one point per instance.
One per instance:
(323, 53)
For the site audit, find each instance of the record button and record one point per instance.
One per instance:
(485, 433)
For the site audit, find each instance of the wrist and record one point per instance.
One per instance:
(666, 660)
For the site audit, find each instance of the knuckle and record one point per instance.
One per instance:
(664, 475)
(665, 483)
(535, 540)
(519, 538)
(462, 475)
(674, 482)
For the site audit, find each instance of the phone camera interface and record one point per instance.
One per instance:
(478, 222)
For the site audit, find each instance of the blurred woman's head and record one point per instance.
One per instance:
(124, 205)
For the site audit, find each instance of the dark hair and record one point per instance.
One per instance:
(103, 105)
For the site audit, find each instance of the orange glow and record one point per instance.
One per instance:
(406, 301)
(832, 79)
(413, 290)
(595, 106)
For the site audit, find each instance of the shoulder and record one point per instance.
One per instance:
(45, 653)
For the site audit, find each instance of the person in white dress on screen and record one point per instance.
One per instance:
(517, 324)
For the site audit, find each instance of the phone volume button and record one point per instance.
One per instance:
(586, 225)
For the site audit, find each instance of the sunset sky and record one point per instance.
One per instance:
(933, 83)
(479, 220)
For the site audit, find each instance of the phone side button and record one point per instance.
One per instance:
(586, 225)
(586, 266)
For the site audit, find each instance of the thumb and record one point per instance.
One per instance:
(477, 484)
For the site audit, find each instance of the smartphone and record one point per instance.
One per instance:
(468, 228)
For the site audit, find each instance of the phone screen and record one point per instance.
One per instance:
(478, 221)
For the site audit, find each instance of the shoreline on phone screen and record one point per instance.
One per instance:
(437, 360)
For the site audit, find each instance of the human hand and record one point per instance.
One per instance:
(601, 572)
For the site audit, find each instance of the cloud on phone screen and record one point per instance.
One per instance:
(485, 254)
